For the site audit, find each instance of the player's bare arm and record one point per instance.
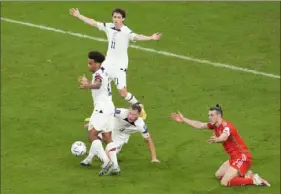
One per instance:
(155, 36)
(222, 138)
(152, 151)
(181, 119)
(75, 13)
(85, 84)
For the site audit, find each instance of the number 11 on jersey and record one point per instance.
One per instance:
(112, 45)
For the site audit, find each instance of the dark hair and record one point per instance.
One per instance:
(137, 107)
(218, 109)
(121, 11)
(97, 56)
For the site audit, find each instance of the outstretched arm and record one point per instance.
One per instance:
(181, 119)
(75, 12)
(151, 148)
(140, 37)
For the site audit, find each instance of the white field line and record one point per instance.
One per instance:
(165, 53)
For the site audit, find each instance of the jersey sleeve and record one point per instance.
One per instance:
(227, 129)
(97, 77)
(210, 126)
(103, 26)
(142, 128)
(131, 35)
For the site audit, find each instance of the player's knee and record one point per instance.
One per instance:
(123, 92)
(218, 175)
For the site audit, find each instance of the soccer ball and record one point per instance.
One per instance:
(78, 148)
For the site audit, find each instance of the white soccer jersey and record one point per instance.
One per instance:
(102, 97)
(123, 128)
(118, 43)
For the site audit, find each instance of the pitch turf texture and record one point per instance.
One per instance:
(43, 109)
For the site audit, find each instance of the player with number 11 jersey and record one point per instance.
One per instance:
(118, 36)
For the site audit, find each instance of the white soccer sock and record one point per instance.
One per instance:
(111, 150)
(130, 98)
(97, 150)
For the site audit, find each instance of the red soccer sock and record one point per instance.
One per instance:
(239, 181)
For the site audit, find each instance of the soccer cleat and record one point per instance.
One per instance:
(259, 181)
(143, 113)
(106, 168)
(86, 162)
(114, 171)
(249, 174)
(87, 120)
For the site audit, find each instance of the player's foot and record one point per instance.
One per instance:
(143, 113)
(259, 181)
(106, 168)
(249, 174)
(86, 162)
(87, 120)
(114, 171)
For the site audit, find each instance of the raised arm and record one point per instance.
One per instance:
(181, 119)
(75, 12)
(140, 37)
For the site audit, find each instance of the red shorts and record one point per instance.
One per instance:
(241, 163)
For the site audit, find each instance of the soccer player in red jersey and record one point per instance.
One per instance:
(232, 172)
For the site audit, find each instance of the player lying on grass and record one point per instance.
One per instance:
(101, 120)
(118, 36)
(127, 122)
(232, 172)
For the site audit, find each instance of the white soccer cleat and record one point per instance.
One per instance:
(115, 171)
(259, 181)
(106, 168)
(86, 162)
(249, 174)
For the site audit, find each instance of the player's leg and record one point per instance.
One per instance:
(121, 84)
(235, 174)
(222, 170)
(94, 127)
(111, 150)
(96, 148)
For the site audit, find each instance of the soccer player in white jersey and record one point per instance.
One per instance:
(101, 120)
(127, 122)
(118, 36)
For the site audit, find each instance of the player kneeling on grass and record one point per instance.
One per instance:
(233, 171)
(127, 122)
(102, 117)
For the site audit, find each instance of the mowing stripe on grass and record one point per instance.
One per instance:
(165, 53)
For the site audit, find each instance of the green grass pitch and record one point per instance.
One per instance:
(43, 109)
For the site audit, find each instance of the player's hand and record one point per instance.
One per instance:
(155, 161)
(86, 126)
(83, 80)
(84, 86)
(156, 36)
(177, 117)
(74, 12)
(213, 139)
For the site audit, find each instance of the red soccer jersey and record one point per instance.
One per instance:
(234, 145)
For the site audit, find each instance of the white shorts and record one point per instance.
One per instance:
(102, 122)
(116, 73)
